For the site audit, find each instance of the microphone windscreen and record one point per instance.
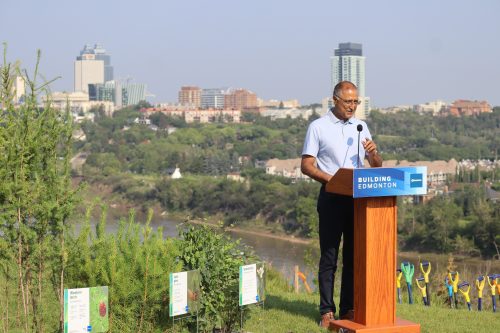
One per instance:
(360, 128)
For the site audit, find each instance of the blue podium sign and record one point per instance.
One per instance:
(383, 182)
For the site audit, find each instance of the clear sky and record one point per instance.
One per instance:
(416, 51)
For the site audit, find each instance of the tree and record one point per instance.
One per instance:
(35, 193)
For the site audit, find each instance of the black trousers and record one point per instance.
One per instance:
(336, 219)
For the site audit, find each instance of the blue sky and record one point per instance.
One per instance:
(416, 51)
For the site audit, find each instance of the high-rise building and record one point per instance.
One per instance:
(88, 70)
(190, 96)
(213, 98)
(121, 94)
(348, 64)
(103, 92)
(100, 54)
(239, 99)
(19, 87)
(133, 93)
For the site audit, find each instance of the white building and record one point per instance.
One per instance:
(19, 89)
(434, 108)
(285, 168)
(274, 103)
(348, 64)
(195, 115)
(88, 70)
(78, 103)
(213, 98)
(284, 113)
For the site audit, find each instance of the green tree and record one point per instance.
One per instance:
(35, 194)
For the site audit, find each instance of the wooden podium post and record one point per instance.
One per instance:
(375, 240)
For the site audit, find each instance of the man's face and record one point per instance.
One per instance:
(344, 103)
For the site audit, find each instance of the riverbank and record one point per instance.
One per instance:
(236, 230)
(119, 207)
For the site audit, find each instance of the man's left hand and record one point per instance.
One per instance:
(370, 146)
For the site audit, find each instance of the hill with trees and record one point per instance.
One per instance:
(132, 160)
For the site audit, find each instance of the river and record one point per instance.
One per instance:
(284, 254)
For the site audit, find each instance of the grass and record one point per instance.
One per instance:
(285, 311)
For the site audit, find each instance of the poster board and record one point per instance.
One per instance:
(184, 292)
(252, 284)
(86, 310)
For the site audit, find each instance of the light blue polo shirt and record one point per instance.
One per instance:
(334, 143)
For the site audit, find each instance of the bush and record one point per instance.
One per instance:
(218, 258)
(134, 262)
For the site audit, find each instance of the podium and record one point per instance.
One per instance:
(375, 241)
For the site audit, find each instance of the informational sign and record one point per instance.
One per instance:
(86, 310)
(178, 294)
(184, 292)
(252, 287)
(379, 182)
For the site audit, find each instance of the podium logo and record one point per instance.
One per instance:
(416, 180)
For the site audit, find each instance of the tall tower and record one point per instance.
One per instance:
(348, 64)
(93, 65)
(88, 70)
(100, 54)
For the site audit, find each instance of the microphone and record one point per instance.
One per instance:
(359, 128)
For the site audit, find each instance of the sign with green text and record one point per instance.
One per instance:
(86, 310)
(252, 284)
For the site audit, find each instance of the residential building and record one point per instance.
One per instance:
(284, 113)
(438, 172)
(235, 176)
(396, 108)
(274, 103)
(348, 64)
(482, 164)
(289, 168)
(433, 108)
(240, 99)
(190, 96)
(468, 108)
(213, 98)
(197, 115)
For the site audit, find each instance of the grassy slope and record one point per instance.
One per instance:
(288, 312)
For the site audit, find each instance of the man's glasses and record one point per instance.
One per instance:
(349, 102)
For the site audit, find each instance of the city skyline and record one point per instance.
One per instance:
(415, 52)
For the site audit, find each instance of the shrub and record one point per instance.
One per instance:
(218, 258)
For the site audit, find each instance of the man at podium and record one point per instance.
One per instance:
(337, 140)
